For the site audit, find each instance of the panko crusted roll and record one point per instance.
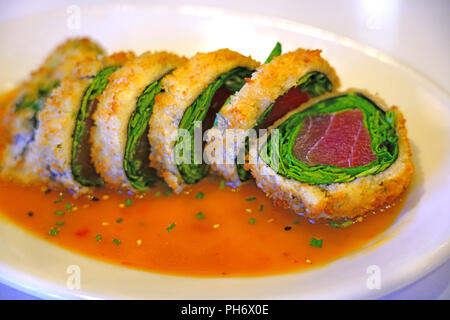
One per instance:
(194, 93)
(61, 150)
(22, 119)
(275, 89)
(339, 156)
(120, 144)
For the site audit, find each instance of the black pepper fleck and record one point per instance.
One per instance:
(31, 213)
(95, 199)
(287, 228)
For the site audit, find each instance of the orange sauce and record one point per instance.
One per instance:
(165, 233)
(209, 230)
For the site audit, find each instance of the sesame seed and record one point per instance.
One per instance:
(271, 220)
(138, 242)
(121, 205)
(359, 219)
(105, 224)
(248, 210)
(308, 261)
(85, 206)
(216, 226)
(105, 197)
(75, 208)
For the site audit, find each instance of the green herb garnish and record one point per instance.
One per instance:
(199, 195)
(116, 241)
(251, 199)
(128, 202)
(252, 221)
(170, 227)
(200, 215)
(53, 231)
(59, 213)
(316, 243)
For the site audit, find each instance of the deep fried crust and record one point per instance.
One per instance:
(115, 107)
(340, 200)
(58, 65)
(182, 87)
(268, 83)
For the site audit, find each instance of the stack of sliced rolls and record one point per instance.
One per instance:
(86, 119)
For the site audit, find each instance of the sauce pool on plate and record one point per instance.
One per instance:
(210, 230)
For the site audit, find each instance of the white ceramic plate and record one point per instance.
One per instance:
(417, 243)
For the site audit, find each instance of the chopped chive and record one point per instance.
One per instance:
(168, 192)
(295, 222)
(251, 199)
(128, 202)
(171, 227)
(261, 207)
(200, 215)
(53, 231)
(199, 195)
(57, 201)
(59, 223)
(68, 207)
(119, 220)
(316, 243)
(157, 194)
(252, 221)
(116, 241)
(222, 185)
(59, 213)
(98, 237)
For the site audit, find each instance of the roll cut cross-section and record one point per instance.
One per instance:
(61, 150)
(194, 93)
(337, 156)
(276, 88)
(120, 145)
(21, 120)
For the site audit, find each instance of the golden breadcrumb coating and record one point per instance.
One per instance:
(269, 82)
(115, 107)
(182, 87)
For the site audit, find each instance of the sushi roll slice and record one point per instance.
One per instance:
(61, 150)
(120, 146)
(335, 157)
(22, 118)
(194, 93)
(275, 88)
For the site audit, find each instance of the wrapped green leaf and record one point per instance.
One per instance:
(380, 125)
(137, 149)
(233, 80)
(82, 169)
